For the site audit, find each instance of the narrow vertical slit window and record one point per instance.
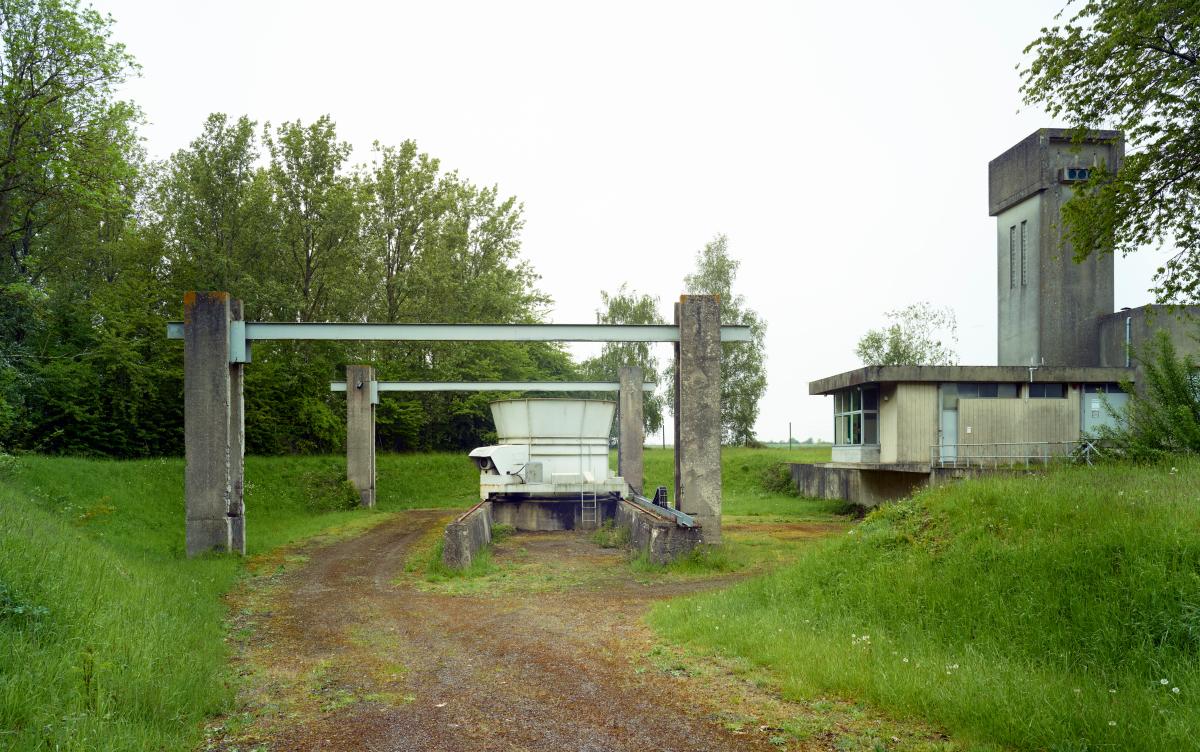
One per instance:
(1024, 255)
(1012, 257)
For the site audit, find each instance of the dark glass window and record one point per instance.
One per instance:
(1047, 391)
(1024, 262)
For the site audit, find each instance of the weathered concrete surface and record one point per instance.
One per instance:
(865, 487)
(208, 445)
(630, 449)
(1049, 306)
(237, 446)
(543, 515)
(360, 433)
(1181, 323)
(466, 535)
(1014, 374)
(698, 419)
(660, 538)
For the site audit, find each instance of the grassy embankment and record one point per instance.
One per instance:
(111, 639)
(1058, 612)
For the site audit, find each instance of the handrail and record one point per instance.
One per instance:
(681, 519)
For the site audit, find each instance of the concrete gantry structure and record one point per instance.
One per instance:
(632, 437)
(212, 425)
(217, 344)
(698, 411)
(361, 398)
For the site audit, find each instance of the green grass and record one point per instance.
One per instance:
(1037, 612)
(110, 638)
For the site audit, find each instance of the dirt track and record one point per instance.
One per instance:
(346, 653)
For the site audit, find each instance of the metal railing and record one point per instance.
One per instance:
(1012, 454)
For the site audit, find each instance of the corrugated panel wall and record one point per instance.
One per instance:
(917, 420)
(1003, 421)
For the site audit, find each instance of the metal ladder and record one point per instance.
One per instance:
(590, 511)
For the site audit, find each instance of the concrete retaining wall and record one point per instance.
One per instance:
(662, 539)
(542, 515)
(466, 535)
(861, 486)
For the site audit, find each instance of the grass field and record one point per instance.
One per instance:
(111, 639)
(1057, 612)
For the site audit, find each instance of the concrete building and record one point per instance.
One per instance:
(1061, 348)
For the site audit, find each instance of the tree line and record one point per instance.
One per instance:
(98, 244)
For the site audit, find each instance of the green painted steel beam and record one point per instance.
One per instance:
(469, 332)
(494, 386)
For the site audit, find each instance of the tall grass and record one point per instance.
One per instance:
(110, 638)
(1052, 612)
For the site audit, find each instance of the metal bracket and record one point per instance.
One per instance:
(239, 348)
(374, 387)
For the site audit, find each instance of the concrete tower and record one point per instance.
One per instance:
(1049, 306)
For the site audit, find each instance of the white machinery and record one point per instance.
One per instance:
(552, 449)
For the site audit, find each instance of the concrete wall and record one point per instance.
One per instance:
(1018, 310)
(1181, 323)
(861, 486)
(466, 535)
(547, 515)
(661, 539)
(996, 421)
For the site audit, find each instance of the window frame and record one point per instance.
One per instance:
(851, 416)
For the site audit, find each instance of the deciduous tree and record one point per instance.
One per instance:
(1132, 65)
(918, 335)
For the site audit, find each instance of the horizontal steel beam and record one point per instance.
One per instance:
(256, 330)
(684, 520)
(494, 386)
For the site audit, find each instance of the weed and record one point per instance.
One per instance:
(501, 532)
(608, 535)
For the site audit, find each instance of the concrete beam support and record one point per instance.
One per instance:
(207, 420)
(698, 411)
(237, 447)
(360, 432)
(630, 462)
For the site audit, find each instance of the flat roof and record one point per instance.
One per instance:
(937, 374)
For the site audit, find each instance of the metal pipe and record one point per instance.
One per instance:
(494, 386)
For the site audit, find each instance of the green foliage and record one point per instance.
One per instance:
(68, 142)
(1037, 612)
(608, 535)
(1135, 66)
(327, 490)
(630, 307)
(501, 532)
(1162, 416)
(919, 335)
(743, 364)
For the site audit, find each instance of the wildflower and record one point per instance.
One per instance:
(906, 660)
(1175, 690)
(1174, 470)
(1163, 682)
(1077, 690)
(1112, 723)
(1112, 691)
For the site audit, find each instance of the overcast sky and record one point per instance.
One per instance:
(842, 147)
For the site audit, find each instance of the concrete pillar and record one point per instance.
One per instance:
(698, 417)
(237, 447)
(360, 432)
(632, 433)
(206, 421)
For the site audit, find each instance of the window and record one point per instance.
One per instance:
(1047, 391)
(1024, 263)
(1109, 388)
(1012, 257)
(951, 393)
(856, 416)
